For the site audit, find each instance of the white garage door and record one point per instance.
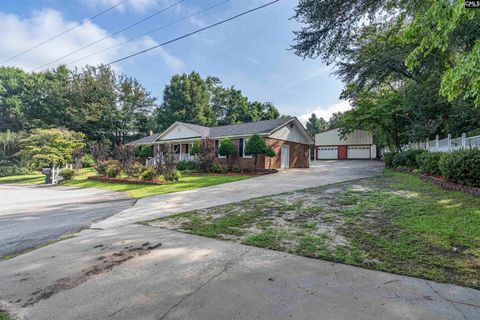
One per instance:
(325, 153)
(358, 152)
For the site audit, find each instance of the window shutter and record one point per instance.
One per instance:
(240, 148)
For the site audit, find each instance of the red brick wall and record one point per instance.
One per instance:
(298, 154)
(243, 162)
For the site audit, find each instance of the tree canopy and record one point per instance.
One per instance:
(409, 68)
(50, 147)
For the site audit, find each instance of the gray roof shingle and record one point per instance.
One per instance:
(258, 127)
(249, 128)
(146, 140)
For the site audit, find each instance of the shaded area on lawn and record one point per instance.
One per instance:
(133, 190)
(396, 223)
(34, 178)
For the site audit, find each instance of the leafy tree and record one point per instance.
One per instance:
(315, 125)
(227, 149)
(270, 153)
(185, 99)
(447, 26)
(335, 120)
(255, 146)
(50, 147)
(196, 148)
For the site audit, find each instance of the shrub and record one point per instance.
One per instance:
(135, 170)
(175, 176)
(407, 159)
(462, 167)
(13, 170)
(67, 174)
(270, 153)
(388, 158)
(255, 146)
(144, 151)
(428, 162)
(186, 165)
(236, 168)
(87, 160)
(109, 168)
(217, 167)
(149, 174)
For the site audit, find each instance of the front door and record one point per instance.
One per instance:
(285, 157)
(342, 152)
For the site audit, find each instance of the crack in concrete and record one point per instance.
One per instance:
(451, 302)
(228, 264)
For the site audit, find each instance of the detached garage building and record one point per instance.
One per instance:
(358, 145)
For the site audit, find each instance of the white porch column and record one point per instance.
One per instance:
(180, 152)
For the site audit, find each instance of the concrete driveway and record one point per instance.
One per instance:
(321, 173)
(33, 215)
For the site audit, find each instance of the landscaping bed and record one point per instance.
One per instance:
(231, 173)
(395, 223)
(124, 180)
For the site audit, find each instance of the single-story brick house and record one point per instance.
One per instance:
(286, 136)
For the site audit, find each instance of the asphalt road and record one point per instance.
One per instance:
(34, 215)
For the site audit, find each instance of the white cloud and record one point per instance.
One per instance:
(20, 34)
(325, 112)
(136, 5)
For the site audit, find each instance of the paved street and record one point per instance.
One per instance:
(33, 215)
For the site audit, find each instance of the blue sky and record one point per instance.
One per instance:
(251, 53)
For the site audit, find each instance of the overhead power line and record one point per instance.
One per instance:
(148, 32)
(111, 34)
(192, 33)
(63, 32)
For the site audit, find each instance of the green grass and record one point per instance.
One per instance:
(144, 190)
(396, 223)
(34, 178)
(4, 316)
(133, 190)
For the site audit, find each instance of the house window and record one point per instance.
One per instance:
(245, 155)
(217, 148)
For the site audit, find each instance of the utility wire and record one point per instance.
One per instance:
(191, 33)
(149, 32)
(111, 34)
(63, 32)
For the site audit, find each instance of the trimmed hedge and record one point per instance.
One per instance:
(109, 168)
(407, 159)
(428, 162)
(461, 167)
(67, 174)
(187, 165)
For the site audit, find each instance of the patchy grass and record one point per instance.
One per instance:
(395, 223)
(34, 178)
(5, 316)
(133, 190)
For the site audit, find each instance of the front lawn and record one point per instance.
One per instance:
(395, 223)
(133, 190)
(34, 178)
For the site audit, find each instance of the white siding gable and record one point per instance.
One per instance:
(177, 131)
(290, 132)
(332, 138)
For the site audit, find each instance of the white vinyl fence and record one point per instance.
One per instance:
(446, 145)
